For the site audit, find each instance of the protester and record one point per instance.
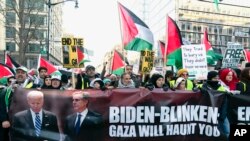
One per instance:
(213, 83)
(84, 79)
(42, 73)
(56, 82)
(169, 76)
(129, 70)
(183, 73)
(244, 84)
(180, 84)
(97, 84)
(47, 82)
(108, 84)
(229, 78)
(156, 81)
(126, 81)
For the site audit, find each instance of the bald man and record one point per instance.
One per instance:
(35, 123)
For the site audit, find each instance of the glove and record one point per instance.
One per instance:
(165, 87)
(149, 86)
(195, 89)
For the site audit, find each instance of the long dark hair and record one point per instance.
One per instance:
(244, 76)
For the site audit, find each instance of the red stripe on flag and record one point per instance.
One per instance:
(173, 36)
(128, 25)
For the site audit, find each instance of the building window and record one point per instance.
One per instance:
(10, 46)
(183, 26)
(199, 28)
(10, 32)
(10, 18)
(34, 48)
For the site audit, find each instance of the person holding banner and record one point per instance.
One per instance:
(35, 123)
(229, 78)
(213, 83)
(157, 81)
(244, 84)
(184, 74)
(84, 124)
(126, 81)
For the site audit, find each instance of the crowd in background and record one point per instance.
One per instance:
(233, 81)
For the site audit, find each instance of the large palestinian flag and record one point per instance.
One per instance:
(174, 42)
(136, 34)
(118, 64)
(212, 57)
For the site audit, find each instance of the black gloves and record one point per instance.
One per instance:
(149, 86)
(165, 87)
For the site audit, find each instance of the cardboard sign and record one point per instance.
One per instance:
(195, 61)
(146, 61)
(69, 47)
(232, 55)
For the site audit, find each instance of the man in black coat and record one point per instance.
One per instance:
(35, 124)
(84, 124)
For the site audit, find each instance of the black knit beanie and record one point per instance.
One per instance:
(211, 75)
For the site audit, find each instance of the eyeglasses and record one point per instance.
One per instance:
(185, 74)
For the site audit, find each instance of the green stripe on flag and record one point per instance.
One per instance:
(119, 71)
(177, 56)
(138, 44)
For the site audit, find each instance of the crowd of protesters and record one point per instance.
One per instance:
(227, 80)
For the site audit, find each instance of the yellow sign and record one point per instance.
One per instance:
(69, 47)
(146, 61)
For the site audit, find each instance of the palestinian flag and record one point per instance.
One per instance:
(212, 57)
(81, 56)
(118, 64)
(174, 42)
(247, 55)
(43, 63)
(5, 73)
(136, 34)
(10, 62)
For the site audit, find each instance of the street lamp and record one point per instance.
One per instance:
(49, 4)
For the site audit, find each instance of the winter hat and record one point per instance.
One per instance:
(57, 77)
(106, 80)
(22, 68)
(178, 81)
(99, 80)
(212, 74)
(181, 71)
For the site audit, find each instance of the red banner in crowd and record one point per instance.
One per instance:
(133, 114)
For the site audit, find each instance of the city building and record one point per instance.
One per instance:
(229, 23)
(36, 21)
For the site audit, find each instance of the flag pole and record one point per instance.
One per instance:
(165, 49)
(5, 56)
(111, 62)
(122, 45)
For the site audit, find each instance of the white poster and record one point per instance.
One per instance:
(195, 61)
